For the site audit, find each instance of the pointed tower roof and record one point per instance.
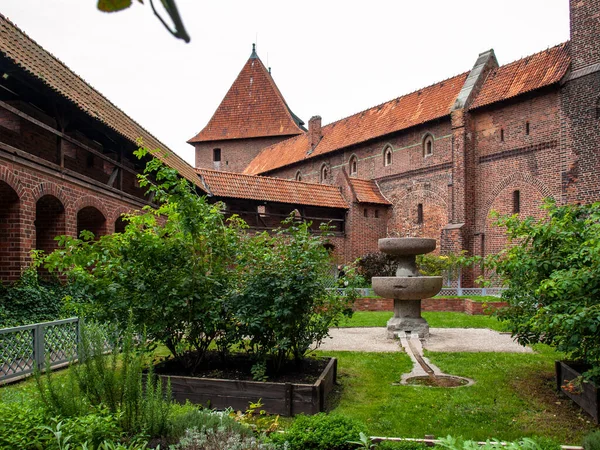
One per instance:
(253, 107)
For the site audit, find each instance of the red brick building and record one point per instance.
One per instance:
(437, 161)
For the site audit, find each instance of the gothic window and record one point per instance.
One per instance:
(516, 202)
(353, 165)
(420, 213)
(387, 156)
(324, 173)
(428, 145)
(298, 176)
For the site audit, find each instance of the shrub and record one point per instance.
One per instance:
(30, 300)
(458, 444)
(591, 441)
(552, 271)
(20, 425)
(401, 445)
(321, 432)
(188, 416)
(220, 439)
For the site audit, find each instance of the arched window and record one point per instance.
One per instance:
(387, 156)
(298, 176)
(428, 145)
(516, 202)
(420, 213)
(324, 173)
(353, 165)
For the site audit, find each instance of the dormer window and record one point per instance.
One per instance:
(353, 165)
(324, 173)
(387, 156)
(428, 145)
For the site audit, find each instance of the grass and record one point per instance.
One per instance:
(435, 319)
(513, 397)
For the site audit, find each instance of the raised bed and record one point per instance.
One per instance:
(285, 399)
(587, 397)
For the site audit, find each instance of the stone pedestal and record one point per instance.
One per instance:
(407, 318)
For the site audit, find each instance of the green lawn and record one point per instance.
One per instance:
(513, 397)
(435, 319)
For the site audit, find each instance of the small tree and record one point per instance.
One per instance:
(171, 267)
(552, 270)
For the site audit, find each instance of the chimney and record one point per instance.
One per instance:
(314, 132)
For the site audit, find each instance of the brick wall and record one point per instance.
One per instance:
(236, 154)
(37, 205)
(463, 305)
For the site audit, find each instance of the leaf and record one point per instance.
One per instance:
(113, 5)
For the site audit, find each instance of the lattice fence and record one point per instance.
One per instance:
(25, 348)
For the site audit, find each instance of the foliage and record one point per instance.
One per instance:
(171, 267)
(552, 271)
(591, 441)
(30, 300)
(321, 432)
(452, 443)
(364, 442)
(219, 439)
(111, 383)
(281, 303)
(380, 264)
(401, 445)
(20, 424)
(257, 419)
(188, 416)
(170, 7)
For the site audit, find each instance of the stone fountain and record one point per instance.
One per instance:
(408, 287)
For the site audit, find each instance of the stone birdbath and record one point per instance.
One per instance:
(408, 287)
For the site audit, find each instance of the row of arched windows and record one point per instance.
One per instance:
(388, 152)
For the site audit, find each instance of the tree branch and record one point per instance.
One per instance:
(180, 31)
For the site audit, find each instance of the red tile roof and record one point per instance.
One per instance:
(31, 57)
(236, 185)
(533, 72)
(253, 107)
(367, 191)
(409, 110)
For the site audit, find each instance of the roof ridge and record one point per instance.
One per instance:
(329, 186)
(16, 27)
(398, 98)
(562, 44)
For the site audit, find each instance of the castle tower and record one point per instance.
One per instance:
(252, 116)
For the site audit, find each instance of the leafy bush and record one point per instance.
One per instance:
(552, 271)
(20, 425)
(281, 303)
(458, 444)
(592, 441)
(401, 445)
(188, 416)
(30, 300)
(321, 432)
(377, 264)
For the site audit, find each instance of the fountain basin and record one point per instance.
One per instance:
(406, 246)
(407, 288)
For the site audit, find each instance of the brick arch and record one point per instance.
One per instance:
(438, 193)
(117, 212)
(506, 182)
(48, 188)
(9, 178)
(89, 200)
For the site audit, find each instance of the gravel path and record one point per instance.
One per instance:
(440, 340)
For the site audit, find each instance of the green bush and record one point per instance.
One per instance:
(401, 445)
(220, 439)
(30, 300)
(20, 426)
(592, 441)
(552, 272)
(188, 417)
(321, 432)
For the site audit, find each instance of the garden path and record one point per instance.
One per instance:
(373, 339)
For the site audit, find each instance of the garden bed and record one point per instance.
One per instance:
(585, 395)
(293, 392)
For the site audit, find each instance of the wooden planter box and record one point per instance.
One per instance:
(285, 399)
(588, 399)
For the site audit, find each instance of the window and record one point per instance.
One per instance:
(501, 134)
(90, 160)
(353, 165)
(516, 202)
(298, 176)
(324, 173)
(366, 212)
(420, 213)
(527, 128)
(387, 156)
(376, 214)
(217, 155)
(598, 108)
(428, 145)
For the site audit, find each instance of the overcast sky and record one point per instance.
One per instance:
(329, 57)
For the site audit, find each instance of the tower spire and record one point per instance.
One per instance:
(253, 55)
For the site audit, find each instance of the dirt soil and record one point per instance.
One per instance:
(238, 367)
